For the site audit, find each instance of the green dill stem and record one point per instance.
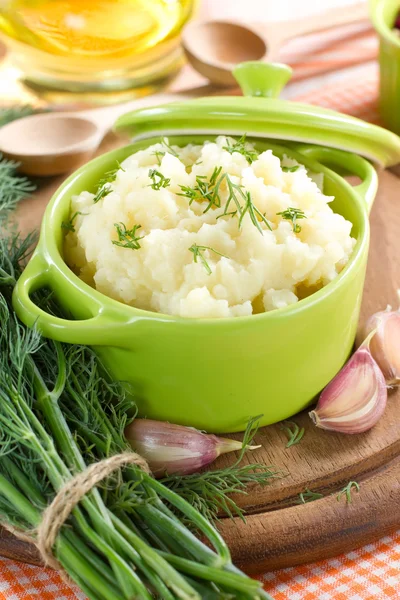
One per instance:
(197, 253)
(150, 573)
(292, 214)
(129, 581)
(61, 379)
(169, 148)
(82, 571)
(88, 434)
(196, 518)
(31, 514)
(309, 496)
(131, 584)
(240, 146)
(82, 583)
(113, 536)
(48, 403)
(207, 592)
(97, 563)
(127, 238)
(102, 192)
(158, 179)
(290, 169)
(347, 491)
(172, 578)
(146, 552)
(261, 593)
(293, 433)
(106, 427)
(156, 581)
(187, 540)
(238, 582)
(23, 482)
(164, 541)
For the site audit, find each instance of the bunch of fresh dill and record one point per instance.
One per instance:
(59, 414)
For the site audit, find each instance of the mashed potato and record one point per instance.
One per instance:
(223, 232)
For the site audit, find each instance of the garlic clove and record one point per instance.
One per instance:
(356, 397)
(385, 344)
(176, 449)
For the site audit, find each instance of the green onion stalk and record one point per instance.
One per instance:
(131, 537)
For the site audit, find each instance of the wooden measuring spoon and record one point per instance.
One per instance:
(214, 47)
(54, 143)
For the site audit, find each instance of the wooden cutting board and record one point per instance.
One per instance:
(278, 531)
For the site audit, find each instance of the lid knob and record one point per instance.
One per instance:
(262, 79)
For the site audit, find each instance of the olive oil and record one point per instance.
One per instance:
(94, 40)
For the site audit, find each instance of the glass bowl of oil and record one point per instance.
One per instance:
(94, 45)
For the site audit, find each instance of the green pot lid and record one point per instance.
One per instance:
(261, 114)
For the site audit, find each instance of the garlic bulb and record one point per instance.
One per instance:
(175, 449)
(356, 398)
(385, 344)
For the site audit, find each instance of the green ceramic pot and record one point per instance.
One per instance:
(215, 374)
(383, 15)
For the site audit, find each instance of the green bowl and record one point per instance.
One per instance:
(213, 374)
(383, 15)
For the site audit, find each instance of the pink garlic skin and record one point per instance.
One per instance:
(385, 344)
(355, 399)
(175, 449)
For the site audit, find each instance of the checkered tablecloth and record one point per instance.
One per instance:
(373, 572)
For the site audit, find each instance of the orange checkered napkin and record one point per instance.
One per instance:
(372, 572)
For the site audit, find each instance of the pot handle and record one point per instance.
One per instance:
(98, 329)
(350, 163)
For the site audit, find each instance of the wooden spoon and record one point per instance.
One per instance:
(54, 143)
(214, 47)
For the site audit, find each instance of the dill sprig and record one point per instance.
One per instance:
(291, 169)
(169, 148)
(308, 496)
(12, 113)
(69, 225)
(127, 238)
(347, 491)
(236, 194)
(104, 186)
(205, 190)
(293, 214)
(256, 215)
(159, 155)
(209, 190)
(293, 433)
(13, 187)
(158, 179)
(210, 492)
(197, 252)
(242, 147)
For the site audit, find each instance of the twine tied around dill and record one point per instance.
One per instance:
(70, 494)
